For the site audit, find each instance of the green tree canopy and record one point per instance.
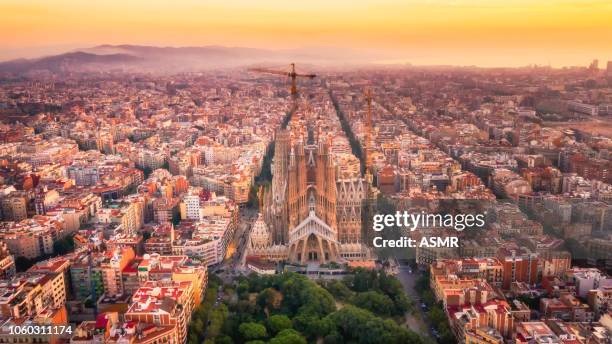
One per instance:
(63, 246)
(252, 330)
(375, 302)
(279, 322)
(316, 300)
(312, 326)
(288, 336)
(360, 326)
(339, 290)
(270, 299)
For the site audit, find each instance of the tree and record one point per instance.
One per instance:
(269, 299)
(532, 302)
(197, 327)
(216, 318)
(201, 315)
(231, 327)
(312, 326)
(422, 282)
(288, 336)
(428, 298)
(388, 287)
(243, 290)
(22, 263)
(278, 322)
(265, 176)
(339, 290)
(358, 325)
(375, 302)
(253, 201)
(446, 336)
(292, 288)
(193, 338)
(251, 330)
(214, 281)
(577, 250)
(244, 307)
(63, 246)
(176, 218)
(333, 338)
(438, 317)
(224, 340)
(316, 301)
(391, 286)
(147, 172)
(257, 283)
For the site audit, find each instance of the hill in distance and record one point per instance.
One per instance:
(173, 59)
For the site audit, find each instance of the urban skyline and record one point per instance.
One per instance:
(189, 194)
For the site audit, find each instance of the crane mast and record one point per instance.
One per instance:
(293, 76)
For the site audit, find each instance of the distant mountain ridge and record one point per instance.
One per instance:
(57, 63)
(169, 59)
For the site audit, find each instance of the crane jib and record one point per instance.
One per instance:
(292, 74)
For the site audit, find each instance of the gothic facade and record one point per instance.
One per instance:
(308, 210)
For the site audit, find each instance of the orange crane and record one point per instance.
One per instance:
(291, 74)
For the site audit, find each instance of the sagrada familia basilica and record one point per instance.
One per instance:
(311, 213)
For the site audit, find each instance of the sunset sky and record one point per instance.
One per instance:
(459, 32)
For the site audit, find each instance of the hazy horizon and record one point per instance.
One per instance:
(34, 54)
(491, 33)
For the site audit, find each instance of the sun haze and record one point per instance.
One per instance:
(460, 32)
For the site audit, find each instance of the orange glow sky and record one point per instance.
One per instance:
(461, 32)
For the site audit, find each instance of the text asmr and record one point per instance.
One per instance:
(423, 220)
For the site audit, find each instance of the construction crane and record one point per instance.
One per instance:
(291, 74)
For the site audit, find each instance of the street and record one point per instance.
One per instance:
(234, 262)
(415, 319)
